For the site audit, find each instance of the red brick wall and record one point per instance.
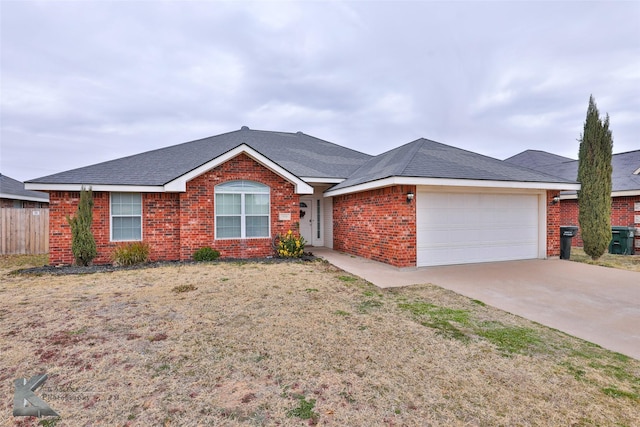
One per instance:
(197, 225)
(61, 203)
(175, 225)
(554, 221)
(65, 203)
(377, 224)
(161, 225)
(622, 214)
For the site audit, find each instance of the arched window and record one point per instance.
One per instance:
(242, 210)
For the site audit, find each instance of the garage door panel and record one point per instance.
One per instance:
(458, 228)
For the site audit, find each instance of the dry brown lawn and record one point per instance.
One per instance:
(228, 344)
(623, 262)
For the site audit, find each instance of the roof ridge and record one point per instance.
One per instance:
(418, 144)
(626, 152)
(377, 158)
(297, 133)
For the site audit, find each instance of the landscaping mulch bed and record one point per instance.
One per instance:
(108, 268)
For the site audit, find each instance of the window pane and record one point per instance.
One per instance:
(126, 204)
(257, 226)
(126, 216)
(228, 204)
(242, 187)
(242, 209)
(256, 204)
(227, 227)
(127, 228)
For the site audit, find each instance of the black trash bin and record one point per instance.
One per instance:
(567, 232)
(621, 240)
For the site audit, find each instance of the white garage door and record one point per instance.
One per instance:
(462, 228)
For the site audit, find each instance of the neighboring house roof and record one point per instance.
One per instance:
(625, 179)
(428, 159)
(626, 171)
(303, 159)
(533, 159)
(14, 189)
(298, 153)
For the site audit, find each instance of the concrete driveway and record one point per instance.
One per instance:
(598, 304)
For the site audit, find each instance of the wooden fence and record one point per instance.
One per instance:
(24, 231)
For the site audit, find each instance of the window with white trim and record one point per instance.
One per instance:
(126, 217)
(242, 210)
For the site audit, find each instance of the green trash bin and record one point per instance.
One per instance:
(622, 241)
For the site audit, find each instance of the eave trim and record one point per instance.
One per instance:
(399, 180)
(24, 198)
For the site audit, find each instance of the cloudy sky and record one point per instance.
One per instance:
(88, 81)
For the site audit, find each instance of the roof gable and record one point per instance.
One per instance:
(180, 184)
(298, 154)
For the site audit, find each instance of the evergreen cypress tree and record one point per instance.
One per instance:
(594, 175)
(83, 244)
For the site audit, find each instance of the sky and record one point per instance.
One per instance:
(82, 82)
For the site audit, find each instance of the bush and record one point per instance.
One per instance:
(83, 244)
(206, 254)
(291, 246)
(131, 253)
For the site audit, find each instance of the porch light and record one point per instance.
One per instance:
(555, 200)
(410, 196)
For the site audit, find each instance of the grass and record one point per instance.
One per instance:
(184, 288)
(623, 262)
(293, 344)
(304, 410)
(15, 262)
(459, 324)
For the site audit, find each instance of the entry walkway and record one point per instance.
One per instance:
(597, 304)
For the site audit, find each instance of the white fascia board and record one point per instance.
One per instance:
(627, 193)
(99, 187)
(571, 196)
(448, 182)
(180, 184)
(26, 198)
(316, 180)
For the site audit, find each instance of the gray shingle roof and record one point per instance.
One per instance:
(624, 165)
(14, 189)
(300, 154)
(533, 159)
(424, 158)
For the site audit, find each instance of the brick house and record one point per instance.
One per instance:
(421, 204)
(625, 195)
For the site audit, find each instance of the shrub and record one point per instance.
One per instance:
(206, 254)
(131, 253)
(290, 246)
(83, 244)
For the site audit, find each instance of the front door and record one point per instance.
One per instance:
(306, 220)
